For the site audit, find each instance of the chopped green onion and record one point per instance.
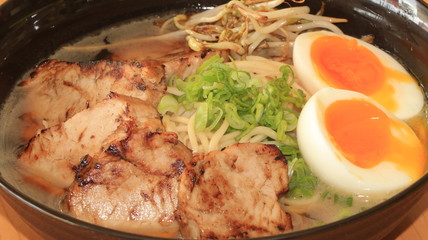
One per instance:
(346, 201)
(218, 114)
(241, 100)
(205, 65)
(302, 183)
(172, 80)
(201, 116)
(289, 151)
(344, 213)
(168, 103)
(336, 198)
(233, 117)
(349, 201)
(324, 195)
(219, 92)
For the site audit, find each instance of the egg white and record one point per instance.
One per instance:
(328, 163)
(409, 96)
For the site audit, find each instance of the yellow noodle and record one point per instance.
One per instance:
(192, 135)
(230, 136)
(185, 139)
(214, 143)
(227, 143)
(259, 130)
(182, 128)
(204, 142)
(174, 91)
(181, 110)
(187, 114)
(259, 67)
(210, 134)
(169, 126)
(273, 143)
(179, 119)
(257, 138)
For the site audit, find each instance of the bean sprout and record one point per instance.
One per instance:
(246, 27)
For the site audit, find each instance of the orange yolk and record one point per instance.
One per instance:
(360, 130)
(344, 64)
(385, 95)
(366, 136)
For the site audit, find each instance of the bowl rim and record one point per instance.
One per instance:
(67, 219)
(63, 217)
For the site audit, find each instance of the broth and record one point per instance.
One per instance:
(327, 205)
(11, 144)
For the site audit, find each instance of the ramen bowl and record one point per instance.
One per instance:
(30, 31)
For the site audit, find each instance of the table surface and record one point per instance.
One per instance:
(414, 226)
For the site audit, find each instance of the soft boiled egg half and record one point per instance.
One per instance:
(323, 59)
(354, 144)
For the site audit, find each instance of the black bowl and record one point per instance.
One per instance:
(31, 30)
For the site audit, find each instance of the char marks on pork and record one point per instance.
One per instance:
(52, 154)
(95, 132)
(125, 190)
(234, 193)
(57, 90)
(184, 65)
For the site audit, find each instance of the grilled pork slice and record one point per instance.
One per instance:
(129, 191)
(180, 60)
(185, 64)
(56, 91)
(234, 193)
(154, 47)
(152, 151)
(51, 155)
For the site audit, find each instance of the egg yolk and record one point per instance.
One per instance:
(360, 130)
(344, 64)
(366, 136)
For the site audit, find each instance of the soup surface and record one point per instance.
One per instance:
(261, 74)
